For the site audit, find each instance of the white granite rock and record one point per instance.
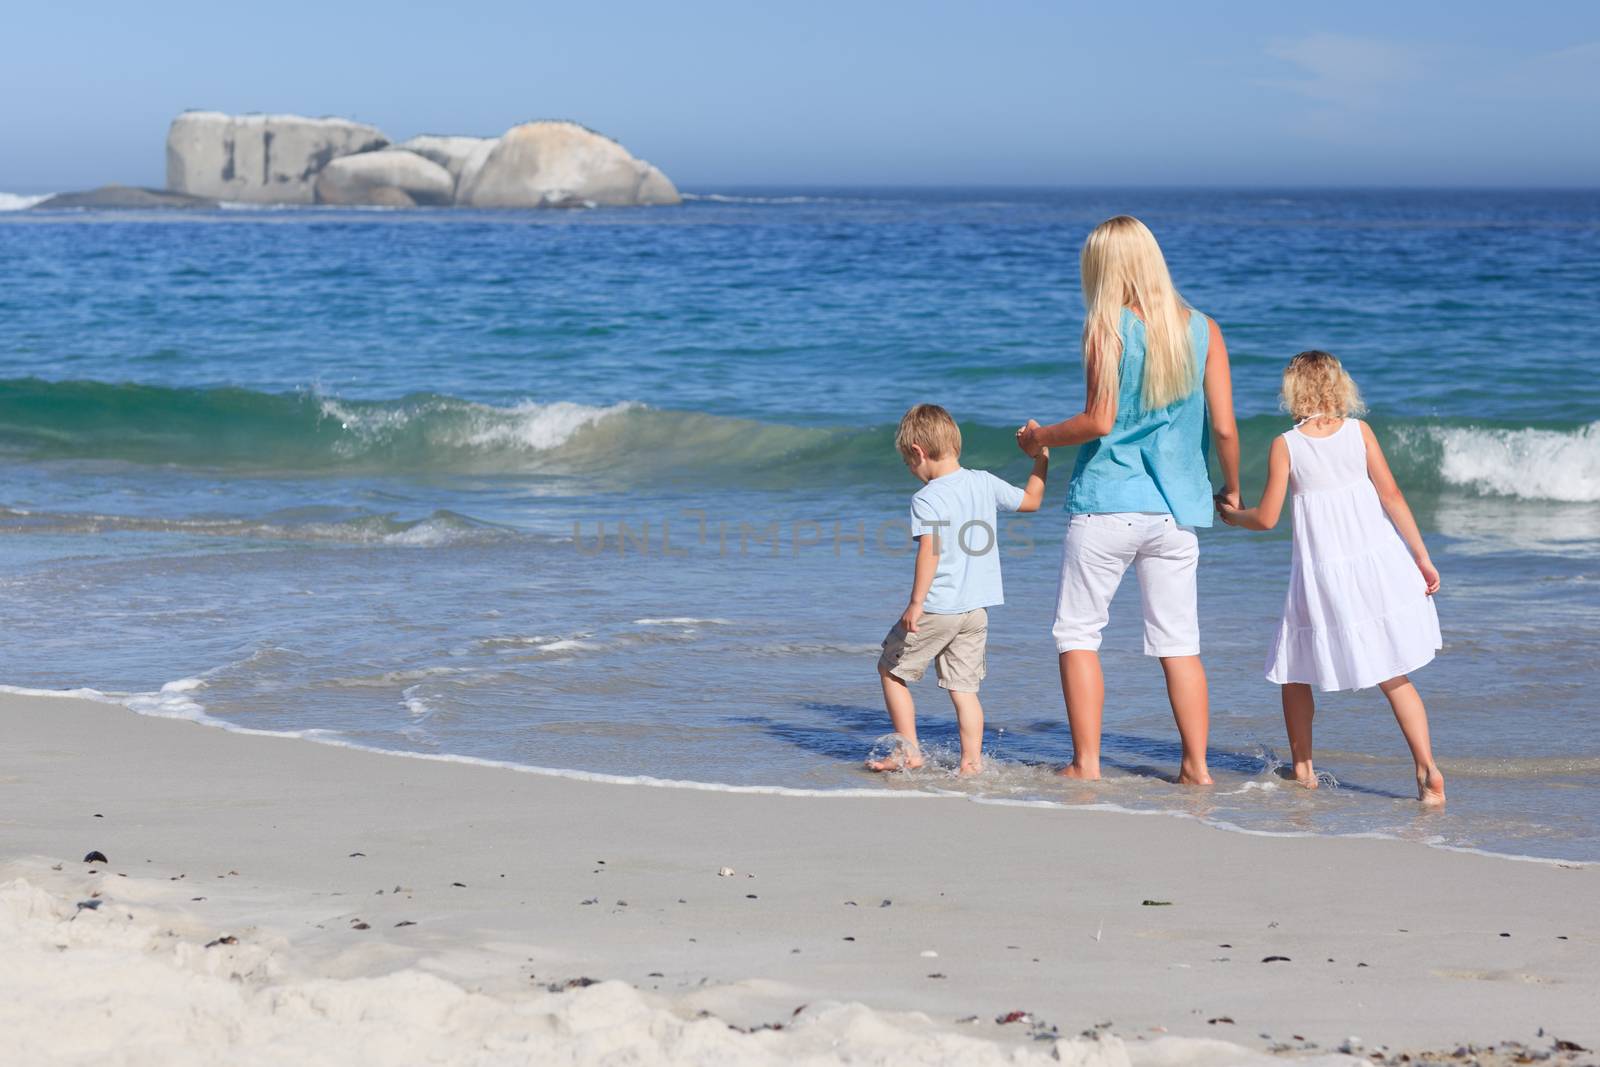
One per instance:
(389, 177)
(560, 164)
(267, 159)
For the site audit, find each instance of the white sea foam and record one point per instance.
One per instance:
(537, 427)
(21, 201)
(683, 621)
(1529, 464)
(526, 426)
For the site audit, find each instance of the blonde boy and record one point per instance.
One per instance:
(956, 581)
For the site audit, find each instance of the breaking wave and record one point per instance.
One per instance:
(21, 201)
(309, 432)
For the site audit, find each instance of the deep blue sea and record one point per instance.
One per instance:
(615, 490)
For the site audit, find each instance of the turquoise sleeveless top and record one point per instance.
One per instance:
(1153, 461)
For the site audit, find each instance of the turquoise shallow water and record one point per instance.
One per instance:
(351, 469)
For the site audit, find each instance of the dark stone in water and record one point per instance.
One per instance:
(124, 196)
(96, 857)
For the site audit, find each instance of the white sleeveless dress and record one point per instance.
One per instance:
(1357, 612)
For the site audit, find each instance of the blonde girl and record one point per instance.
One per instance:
(1156, 371)
(1360, 607)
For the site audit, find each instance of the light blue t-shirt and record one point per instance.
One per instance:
(960, 508)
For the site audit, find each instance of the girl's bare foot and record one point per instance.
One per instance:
(1200, 777)
(970, 767)
(1430, 787)
(1081, 773)
(1305, 775)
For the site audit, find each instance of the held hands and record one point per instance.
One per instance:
(911, 616)
(1228, 508)
(1028, 440)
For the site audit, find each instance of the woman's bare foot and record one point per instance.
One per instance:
(1306, 775)
(1188, 775)
(970, 767)
(1080, 772)
(1430, 787)
(902, 758)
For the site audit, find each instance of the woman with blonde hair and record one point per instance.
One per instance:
(1156, 373)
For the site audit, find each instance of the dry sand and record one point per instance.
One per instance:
(399, 910)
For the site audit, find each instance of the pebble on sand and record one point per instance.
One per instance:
(96, 857)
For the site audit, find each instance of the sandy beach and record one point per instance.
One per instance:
(269, 899)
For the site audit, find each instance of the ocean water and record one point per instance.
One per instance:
(615, 491)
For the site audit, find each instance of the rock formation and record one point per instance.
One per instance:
(389, 177)
(449, 151)
(268, 159)
(561, 164)
(288, 159)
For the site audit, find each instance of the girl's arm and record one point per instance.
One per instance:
(1394, 503)
(1264, 516)
(1093, 422)
(1219, 400)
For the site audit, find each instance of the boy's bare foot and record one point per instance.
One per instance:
(1306, 775)
(1081, 773)
(898, 760)
(970, 767)
(1430, 787)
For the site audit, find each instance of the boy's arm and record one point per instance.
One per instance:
(1264, 516)
(1399, 512)
(1033, 495)
(927, 566)
(1219, 403)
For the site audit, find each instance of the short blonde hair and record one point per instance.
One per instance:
(931, 427)
(1315, 383)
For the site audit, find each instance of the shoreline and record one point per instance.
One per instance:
(348, 870)
(187, 710)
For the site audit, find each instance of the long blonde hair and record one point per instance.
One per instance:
(1122, 266)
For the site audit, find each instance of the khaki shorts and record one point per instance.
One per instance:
(955, 644)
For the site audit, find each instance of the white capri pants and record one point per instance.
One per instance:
(1095, 554)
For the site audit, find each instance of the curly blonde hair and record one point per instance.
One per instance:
(1316, 383)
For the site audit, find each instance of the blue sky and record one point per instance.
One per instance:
(729, 93)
